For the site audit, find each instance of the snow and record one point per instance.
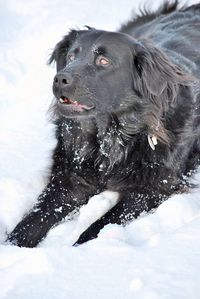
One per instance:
(156, 256)
(97, 206)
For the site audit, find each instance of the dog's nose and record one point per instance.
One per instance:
(61, 80)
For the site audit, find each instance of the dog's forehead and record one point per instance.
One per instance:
(93, 39)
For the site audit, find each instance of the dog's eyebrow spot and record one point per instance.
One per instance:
(100, 51)
(77, 50)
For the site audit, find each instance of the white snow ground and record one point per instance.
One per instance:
(156, 256)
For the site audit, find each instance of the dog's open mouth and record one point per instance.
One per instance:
(75, 105)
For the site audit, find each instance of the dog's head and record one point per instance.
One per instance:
(100, 72)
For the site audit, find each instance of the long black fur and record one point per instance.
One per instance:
(151, 88)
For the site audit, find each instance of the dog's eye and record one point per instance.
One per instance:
(71, 57)
(103, 61)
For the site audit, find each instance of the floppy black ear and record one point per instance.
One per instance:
(157, 80)
(155, 70)
(60, 51)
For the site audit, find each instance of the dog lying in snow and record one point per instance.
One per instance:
(127, 109)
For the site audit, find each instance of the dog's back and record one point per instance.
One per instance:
(173, 31)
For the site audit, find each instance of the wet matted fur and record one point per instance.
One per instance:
(127, 113)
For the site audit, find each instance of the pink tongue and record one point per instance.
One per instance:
(75, 103)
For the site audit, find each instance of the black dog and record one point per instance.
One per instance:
(127, 110)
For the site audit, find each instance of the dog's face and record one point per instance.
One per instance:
(94, 73)
(100, 72)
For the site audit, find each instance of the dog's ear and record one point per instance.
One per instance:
(155, 70)
(60, 51)
(157, 80)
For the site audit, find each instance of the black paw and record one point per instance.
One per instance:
(90, 234)
(21, 239)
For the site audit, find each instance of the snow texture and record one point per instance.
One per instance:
(156, 256)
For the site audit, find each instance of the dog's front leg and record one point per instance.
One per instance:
(55, 203)
(130, 206)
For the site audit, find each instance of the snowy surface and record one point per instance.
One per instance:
(156, 256)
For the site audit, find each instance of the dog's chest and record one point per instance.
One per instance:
(84, 148)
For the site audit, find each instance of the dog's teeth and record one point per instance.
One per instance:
(152, 140)
(61, 100)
